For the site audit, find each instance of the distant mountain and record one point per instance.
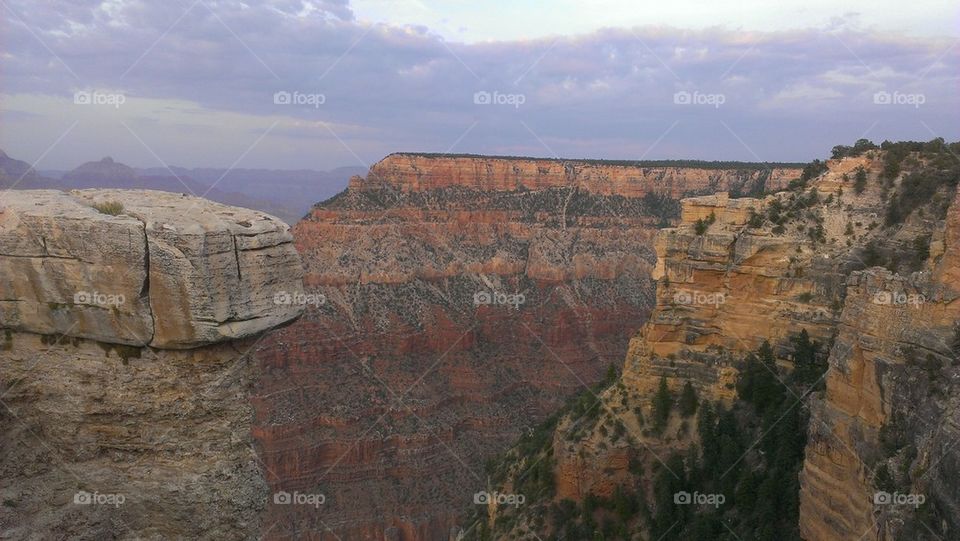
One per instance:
(297, 189)
(106, 172)
(286, 194)
(13, 170)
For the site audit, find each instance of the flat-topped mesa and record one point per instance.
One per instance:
(423, 172)
(157, 269)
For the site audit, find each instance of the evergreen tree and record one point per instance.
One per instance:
(688, 400)
(662, 402)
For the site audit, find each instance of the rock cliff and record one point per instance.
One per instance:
(888, 422)
(737, 272)
(186, 272)
(127, 321)
(446, 322)
(456, 302)
(423, 172)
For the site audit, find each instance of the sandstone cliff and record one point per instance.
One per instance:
(422, 172)
(447, 322)
(888, 422)
(737, 272)
(127, 321)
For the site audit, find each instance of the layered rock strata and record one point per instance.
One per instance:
(452, 313)
(124, 363)
(423, 172)
(892, 405)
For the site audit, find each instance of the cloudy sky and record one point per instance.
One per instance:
(327, 83)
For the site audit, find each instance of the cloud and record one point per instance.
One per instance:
(610, 93)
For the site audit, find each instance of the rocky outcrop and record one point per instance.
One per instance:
(125, 366)
(424, 172)
(160, 269)
(889, 421)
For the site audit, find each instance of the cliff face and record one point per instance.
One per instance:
(737, 272)
(124, 363)
(889, 419)
(453, 312)
(417, 172)
(168, 271)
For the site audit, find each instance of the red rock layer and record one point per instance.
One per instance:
(390, 396)
(414, 172)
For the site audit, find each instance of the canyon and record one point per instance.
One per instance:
(454, 325)
(738, 273)
(390, 394)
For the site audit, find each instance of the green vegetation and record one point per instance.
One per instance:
(858, 148)
(860, 181)
(750, 453)
(701, 225)
(662, 403)
(924, 186)
(113, 208)
(688, 400)
(124, 352)
(661, 206)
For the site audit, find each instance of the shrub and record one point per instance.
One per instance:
(113, 208)
(701, 226)
(860, 181)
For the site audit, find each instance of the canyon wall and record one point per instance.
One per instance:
(445, 324)
(420, 172)
(891, 405)
(456, 302)
(737, 272)
(127, 319)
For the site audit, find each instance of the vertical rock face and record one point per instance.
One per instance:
(451, 314)
(124, 363)
(891, 405)
(737, 272)
(210, 270)
(420, 172)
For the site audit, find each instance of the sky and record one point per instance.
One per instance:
(326, 83)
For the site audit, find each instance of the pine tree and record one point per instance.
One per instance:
(662, 402)
(688, 400)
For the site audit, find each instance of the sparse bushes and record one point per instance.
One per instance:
(701, 225)
(858, 148)
(113, 208)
